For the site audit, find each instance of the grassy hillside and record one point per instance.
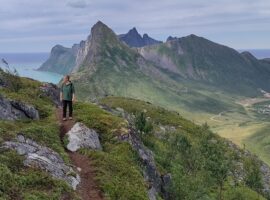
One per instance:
(192, 154)
(17, 181)
(188, 152)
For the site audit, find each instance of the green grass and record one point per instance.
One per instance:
(17, 181)
(259, 143)
(118, 172)
(180, 152)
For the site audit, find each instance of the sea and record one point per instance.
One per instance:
(27, 64)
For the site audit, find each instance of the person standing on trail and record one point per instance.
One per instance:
(67, 96)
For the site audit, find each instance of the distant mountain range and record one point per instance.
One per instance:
(105, 65)
(258, 53)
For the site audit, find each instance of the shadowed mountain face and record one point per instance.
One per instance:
(134, 39)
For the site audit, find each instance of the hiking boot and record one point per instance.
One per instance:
(70, 118)
(64, 119)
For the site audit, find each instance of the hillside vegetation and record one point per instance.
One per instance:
(201, 164)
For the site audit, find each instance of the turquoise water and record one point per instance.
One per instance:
(27, 64)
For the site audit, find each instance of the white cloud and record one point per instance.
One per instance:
(77, 3)
(212, 18)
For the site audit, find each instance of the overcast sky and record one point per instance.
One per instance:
(37, 25)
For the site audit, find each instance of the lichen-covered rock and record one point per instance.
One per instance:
(150, 171)
(43, 158)
(52, 91)
(14, 110)
(80, 136)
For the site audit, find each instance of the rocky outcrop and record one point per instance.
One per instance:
(52, 91)
(61, 60)
(15, 110)
(2, 79)
(151, 174)
(43, 158)
(134, 39)
(239, 172)
(81, 136)
(158, 184)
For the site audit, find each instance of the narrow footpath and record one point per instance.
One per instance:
(88, 188)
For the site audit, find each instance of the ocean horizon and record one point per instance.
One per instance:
(27, 64)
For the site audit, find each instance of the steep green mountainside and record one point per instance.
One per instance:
(61, 60)
(195, 162)
(111, 68)
(199, 59)
(184, 73)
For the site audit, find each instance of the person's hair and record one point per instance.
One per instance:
(68, 77)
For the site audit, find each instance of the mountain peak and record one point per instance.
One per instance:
(99, 26)
(101, 31)
(134, 39)
(145, 35)
(133, 30)
(171, 38)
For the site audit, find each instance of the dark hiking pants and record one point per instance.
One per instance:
(70, 109)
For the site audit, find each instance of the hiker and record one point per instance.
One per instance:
(67, 96)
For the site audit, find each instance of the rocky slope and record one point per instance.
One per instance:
(135, 150)
(134, 39)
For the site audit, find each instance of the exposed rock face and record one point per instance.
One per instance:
(52, 91)
(43, 158)
(14, 110)
(81, 136)
(134, 39)
(158, 184)
(239, 173)
(151, 174)
(61, 60)
(171, 38)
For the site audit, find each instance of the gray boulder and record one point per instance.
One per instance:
(43, 158)
(52, 91)
(80, 136)
(15, 110)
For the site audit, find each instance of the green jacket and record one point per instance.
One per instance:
(68, 90)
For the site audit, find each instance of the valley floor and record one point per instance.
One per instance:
(248, 128)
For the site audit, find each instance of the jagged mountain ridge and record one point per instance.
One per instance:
(171, 74)
(65, 60)
(191, 58)
(134, 39)
(202, 60)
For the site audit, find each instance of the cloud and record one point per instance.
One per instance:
(221, 20)
(77, 3)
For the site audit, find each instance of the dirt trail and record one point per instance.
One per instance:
(88, 188)
(213, 118)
